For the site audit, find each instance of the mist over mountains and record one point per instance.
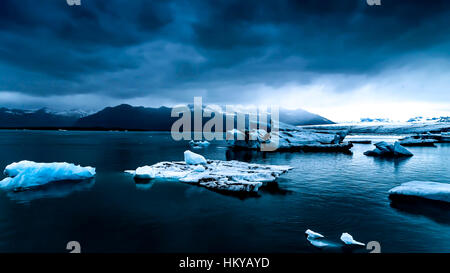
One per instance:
(122, 117)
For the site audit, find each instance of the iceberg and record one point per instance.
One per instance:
(318, 240)
(417, 141)
(348, 240)
(27, 174)
(198, 144)
(422, 189)
(289, 138)
(193, 158)
(235, 176)
(389, 150)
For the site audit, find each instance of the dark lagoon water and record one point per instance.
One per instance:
(328, 193)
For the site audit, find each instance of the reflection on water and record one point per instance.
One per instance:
(144, 184)
(397, 162)
(436, 211)
(58, 189)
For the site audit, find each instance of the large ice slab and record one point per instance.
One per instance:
(27, 174)
(385, 149)
(423, 189)
(214, 174)
(289, 138)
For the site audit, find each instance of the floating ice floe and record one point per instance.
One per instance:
(289, 138)
(199, 144)
(417, 141)
(27, 174)
(389, 150)
(348, 240)
(422, 189)
(214, 174)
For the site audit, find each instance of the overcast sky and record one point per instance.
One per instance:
(341, 59)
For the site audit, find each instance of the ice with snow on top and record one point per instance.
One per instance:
(423, 189)
(214, 174)
(388, 150)
(348, 240)
(26, 174)
(397, 128)
(193, 158)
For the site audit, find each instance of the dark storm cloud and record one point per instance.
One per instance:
(128, 49)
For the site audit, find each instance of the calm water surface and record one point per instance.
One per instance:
(328, 193)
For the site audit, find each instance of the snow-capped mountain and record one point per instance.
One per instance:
(15, 118)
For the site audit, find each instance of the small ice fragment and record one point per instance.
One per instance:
(348, 240)
(313, 235)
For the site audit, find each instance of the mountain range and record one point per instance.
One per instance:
(121, 117)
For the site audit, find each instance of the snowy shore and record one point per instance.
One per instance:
(400, 128)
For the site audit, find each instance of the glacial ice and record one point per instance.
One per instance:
(193, 158)
(288, 137)
(398, 128)
(26, 174)
(388, 150)
(214, 174)
(348, 240)
(423, 189)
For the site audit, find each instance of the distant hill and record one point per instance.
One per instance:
(158, 119)
(123, 117)
(302, 117)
